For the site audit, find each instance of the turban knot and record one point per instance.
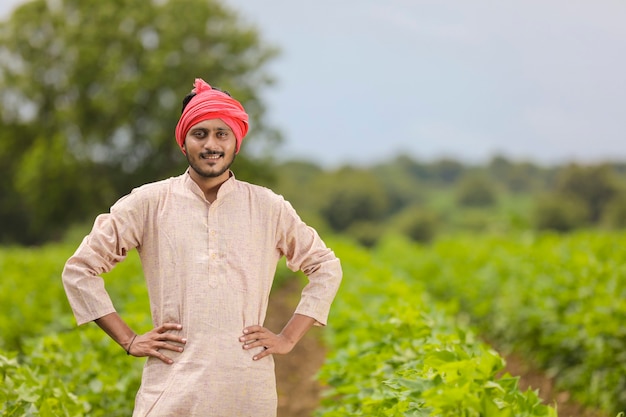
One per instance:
(209, 103)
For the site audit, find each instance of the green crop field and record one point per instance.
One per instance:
(560, 301)
(406, 335)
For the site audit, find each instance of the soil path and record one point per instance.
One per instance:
(299, 392)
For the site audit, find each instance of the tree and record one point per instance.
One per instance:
(417, 223)
(561, 213)
(352, 196)
(90, 93)
(517, 177)
(402, 182)
(476, 190)
(614, 214)
(594, 185)
(447, 170)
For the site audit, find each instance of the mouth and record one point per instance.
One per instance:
(211, 156)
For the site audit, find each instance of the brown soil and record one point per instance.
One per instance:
(299, 392)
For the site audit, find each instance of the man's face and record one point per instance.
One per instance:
(210, 146)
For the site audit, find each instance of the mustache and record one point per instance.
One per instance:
(207, 153)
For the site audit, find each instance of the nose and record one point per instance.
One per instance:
(211, 141)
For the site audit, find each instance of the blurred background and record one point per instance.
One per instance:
(463, 159)
(421, 116)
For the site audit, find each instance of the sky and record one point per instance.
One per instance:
(362, 81)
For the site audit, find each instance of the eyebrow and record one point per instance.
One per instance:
(205, 129)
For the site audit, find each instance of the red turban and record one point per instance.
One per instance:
(212, 104)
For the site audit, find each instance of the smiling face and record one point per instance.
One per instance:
(210, 148)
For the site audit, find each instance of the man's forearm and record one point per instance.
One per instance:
(117, 329)
(297, 327)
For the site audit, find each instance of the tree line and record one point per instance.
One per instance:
(424, 198)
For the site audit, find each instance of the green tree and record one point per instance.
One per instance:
(90, 93)
(594, 185)
(293, 179)
(417, 223)
(561, 213)
(415, 169)
(447, 170)
(476, 190)
(517, 177)
(352, 196)
(402, 182)
(614, 214)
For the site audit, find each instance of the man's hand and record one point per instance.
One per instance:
(151, 343)
(142, 345)
(258, 336)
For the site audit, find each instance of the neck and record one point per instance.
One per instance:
(209, 185)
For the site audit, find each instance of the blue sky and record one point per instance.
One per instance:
(360, 81)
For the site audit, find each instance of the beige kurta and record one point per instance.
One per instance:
(210, 268)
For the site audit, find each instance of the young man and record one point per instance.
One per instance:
(209, 245)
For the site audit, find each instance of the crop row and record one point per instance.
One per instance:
(48, 367)
(559, 301)
(395, 353)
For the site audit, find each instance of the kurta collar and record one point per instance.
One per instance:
(226, 187)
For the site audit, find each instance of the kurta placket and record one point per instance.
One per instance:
(213, 244)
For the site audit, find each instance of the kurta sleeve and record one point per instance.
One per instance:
(304, 250)
(112, 236)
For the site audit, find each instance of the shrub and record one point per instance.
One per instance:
(560, 213)
(476, 191)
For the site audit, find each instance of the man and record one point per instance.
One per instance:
(209, 245)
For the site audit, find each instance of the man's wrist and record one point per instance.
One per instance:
(130, 344)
